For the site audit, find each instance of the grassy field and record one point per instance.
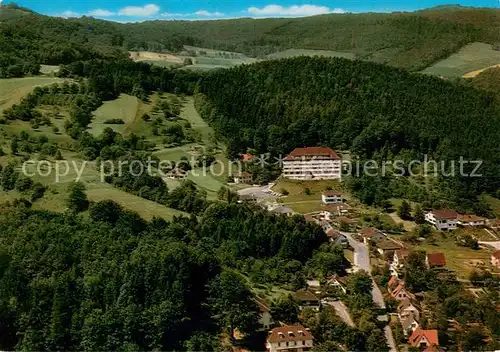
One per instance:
(457, 258)
(12, 90)
(126, 108)
(298, 200)
(305, 52)
(472, 57)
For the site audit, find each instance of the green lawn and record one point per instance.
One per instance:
(474, 56)
(12, 90)
(126, 108)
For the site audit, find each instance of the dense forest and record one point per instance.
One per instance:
(373, 110)
(408, 40)
(114, 281)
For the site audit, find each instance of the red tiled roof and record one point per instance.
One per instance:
(496, 254)
(470, 218)
(368, 231)
(401, 285)
(333, 233)
(312, 152)
(347, 220)
(246, 157)
(309, 218)
(430, 335)
(289, 333)
(445, 214)
(403, 253)
(392, 281)
(436, 259)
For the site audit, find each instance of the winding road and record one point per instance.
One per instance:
(362, 261)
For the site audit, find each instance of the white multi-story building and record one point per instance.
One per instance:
(443, 219)
(312, 163)
(332, 197)
(289, 338)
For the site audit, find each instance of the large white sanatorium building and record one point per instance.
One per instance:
(312, 163)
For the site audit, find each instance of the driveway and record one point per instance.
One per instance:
(257, 192)
(342, 312)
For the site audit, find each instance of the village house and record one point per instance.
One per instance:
(338, 282)
(407, 307)
(424, 339)
(332, 197)
(443, 219)
(387, 246)
(399, 257)
(279, 209)
(337, 238)
(247, 198)
(265, 318)
(344, 221)
(400, 292)
(471, 221)
(312, 163)
(495, 259)
(289, 338)
(177, 174)
(371, 234)
(433, 260)
(243, 177)
(308, 299)
(340, 209)
(409, 323)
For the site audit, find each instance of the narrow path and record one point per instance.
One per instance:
(342, 312)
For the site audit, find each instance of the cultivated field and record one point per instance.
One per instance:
(470, 60)
(12, 90)
(147, 55)
(306, 52)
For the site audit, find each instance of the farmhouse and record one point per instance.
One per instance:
(387, 246)
(495, 259)
(471, 221)
(443, 219)
(338, 282)
(312, 163)
(332, 197)
(243, 177)
(292, 338)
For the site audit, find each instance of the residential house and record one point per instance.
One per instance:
(443, 219)
(332, 197)
(399, 257)
(387, 246)
(311, 219)
(265, 318)
(471, 221)
(340, 209)
(177, 174)
(400, 292)
(393, 281)
(308, 299)
(337, 238)
(407, 307)
(243, 177)
(289, 338)
(248, 198)
(312, 163)
(424, 339)
(371, 234)
(433, 260)
(246, 157)
(279, 209)
(339, 221)
(495, 259)
(409, 323)
(338, 282)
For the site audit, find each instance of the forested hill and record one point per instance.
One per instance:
(374, 110)
(408, 40)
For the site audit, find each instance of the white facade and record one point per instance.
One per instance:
(312, 163)
(331, 198)
(441, 223)
(295, 346)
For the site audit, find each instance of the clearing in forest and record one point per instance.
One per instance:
(12, 90)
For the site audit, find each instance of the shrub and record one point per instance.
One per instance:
(284, 192)
(114, 122)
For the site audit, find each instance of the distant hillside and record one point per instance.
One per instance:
(407, 40)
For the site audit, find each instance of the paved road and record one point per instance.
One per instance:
(342, 312)
(362, 261)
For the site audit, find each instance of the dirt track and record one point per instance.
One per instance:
(147, 55)
(476, 72)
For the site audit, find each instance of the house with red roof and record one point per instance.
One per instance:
(320, 163)
(443, 220)
(292, 338)
(424, 339)
(467, 220)
(433, 260)
(495, 259)
(371, 234)
(400, 292)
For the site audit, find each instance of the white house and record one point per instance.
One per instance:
(312, 163)
(443, 219)
(290, 338)
(471, 221)
(332, 197)
(243, 177)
